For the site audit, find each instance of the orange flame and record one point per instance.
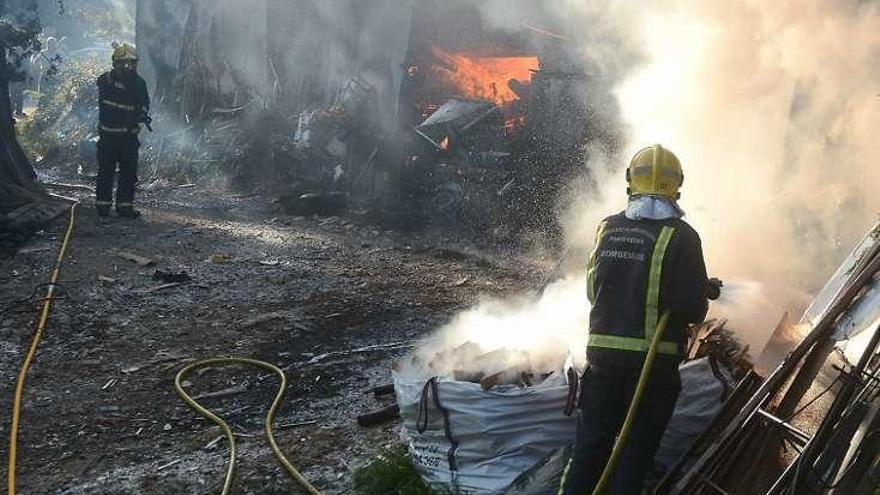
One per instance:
(484, 78)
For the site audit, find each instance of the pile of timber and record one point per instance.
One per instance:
(470, 362)
(714, 340)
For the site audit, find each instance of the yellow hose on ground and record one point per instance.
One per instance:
(227, 431)
(32, 351)
(633, 407)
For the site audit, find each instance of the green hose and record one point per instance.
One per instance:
(633, 407)
(270, 417)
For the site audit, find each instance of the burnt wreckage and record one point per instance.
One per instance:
(439, 116)
(498, 124)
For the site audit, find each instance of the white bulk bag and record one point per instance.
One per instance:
(701, 398)
(466, 440)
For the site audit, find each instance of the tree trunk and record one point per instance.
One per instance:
(24, 204)
(18, 182)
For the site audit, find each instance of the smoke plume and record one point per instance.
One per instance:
(769, 105)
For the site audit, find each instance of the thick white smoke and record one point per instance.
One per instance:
(769, 105)
(548, 329)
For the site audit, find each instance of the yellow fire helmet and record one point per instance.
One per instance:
(655, 171)
(124, 53)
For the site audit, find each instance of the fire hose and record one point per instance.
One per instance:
(32, 351)
(224, 426)
(38, 337)
(273, 409)
(645, 375)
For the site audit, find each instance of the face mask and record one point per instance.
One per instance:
(125, 69)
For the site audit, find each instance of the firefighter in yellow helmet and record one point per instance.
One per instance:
(646, 261)
(124, 105)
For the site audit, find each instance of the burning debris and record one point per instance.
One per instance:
(497, 79)
(472, 124)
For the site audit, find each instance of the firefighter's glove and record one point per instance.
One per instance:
(713, 288)
(147, 121)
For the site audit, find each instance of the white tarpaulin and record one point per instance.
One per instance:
(468, 440)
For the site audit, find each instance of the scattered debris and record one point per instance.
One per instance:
(381, 416)
(298, 424)
(157, 288)
(304, 204)
(171, 277)
(34, 249)
(221, 258)
(70, 187)
(92, 462)
(383, 391)
(213, 443)
(172, 463)
(222, 393)
(135, 258)
(394, 346)
(247, 309)
(266, 318)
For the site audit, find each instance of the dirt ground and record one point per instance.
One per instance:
(100, 413)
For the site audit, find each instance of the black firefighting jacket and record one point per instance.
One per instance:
(123, 104)
(638, 270)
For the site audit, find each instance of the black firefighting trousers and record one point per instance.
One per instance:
(605, 396)
(113, 151)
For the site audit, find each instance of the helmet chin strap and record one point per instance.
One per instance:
(125, 68)
(655, 166)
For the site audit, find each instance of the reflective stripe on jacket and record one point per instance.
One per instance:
(638, 270)
(122, 104)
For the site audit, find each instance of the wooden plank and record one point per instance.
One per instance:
(133, 257)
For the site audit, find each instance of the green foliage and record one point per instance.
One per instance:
(19, 36)
(98, 20)
(392, 472)
(67, 106)
(72, 89)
